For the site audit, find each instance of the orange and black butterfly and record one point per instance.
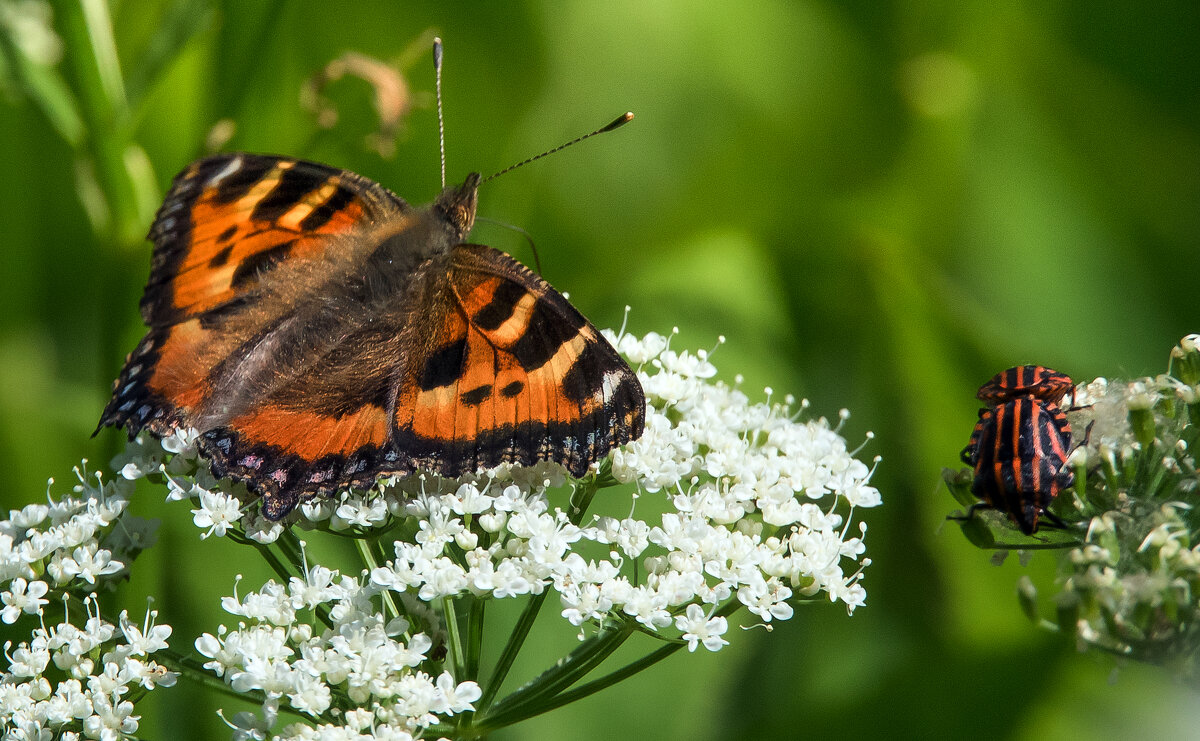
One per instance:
(1020, 444)
(319, 332)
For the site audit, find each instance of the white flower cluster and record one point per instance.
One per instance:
(359, 657)
(74, 541)
(1132, 588)
(1119, 419)
(52, 558)
(730, 503)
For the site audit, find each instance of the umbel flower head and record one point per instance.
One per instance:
(1129, 566)
(74, 674)
(723, 504)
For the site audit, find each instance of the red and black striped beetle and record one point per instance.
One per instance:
(1020, 444)
(1037, 381)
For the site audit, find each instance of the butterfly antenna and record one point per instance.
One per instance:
(437, 73)
(618, 123)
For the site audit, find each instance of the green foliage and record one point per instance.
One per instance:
(879, 204)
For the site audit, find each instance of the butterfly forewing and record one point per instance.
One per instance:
(230, 259)
(230, 219)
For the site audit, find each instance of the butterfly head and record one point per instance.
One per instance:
(457, 204)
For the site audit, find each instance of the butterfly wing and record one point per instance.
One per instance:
(232, 229)
(320, 333)
(510, 372)
(481, 363)
(326, 428)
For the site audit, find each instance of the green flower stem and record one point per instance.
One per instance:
(365, 550)
(474, 653)
(475, 637)
(537, 696)
(289, 544)
(529, 709)
(581, 498)
(279, 567)
(582, 691)
(455, 642)
(511, 649)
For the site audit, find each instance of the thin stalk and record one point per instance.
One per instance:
(581, 498)
(519, 708)
(582, 691)
(456, 644)
(279, 567)
(530, 699)
(369, 560)
(729, 607)
(474, 651)
(475, 638)
(511, 649)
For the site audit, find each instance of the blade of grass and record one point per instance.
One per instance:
(47, 89)
(92, 57)
(179, 24)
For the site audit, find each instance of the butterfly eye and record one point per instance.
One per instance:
(464, 216)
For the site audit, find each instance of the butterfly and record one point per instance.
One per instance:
(318, 332)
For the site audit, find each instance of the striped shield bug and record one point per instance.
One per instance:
(1037, 381)
(1020, 444)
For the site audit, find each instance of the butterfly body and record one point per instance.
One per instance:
(320, 332)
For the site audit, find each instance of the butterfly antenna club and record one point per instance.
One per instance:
(437, 76)
(616, 124)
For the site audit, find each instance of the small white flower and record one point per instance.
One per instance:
(23, 597)
(218, 512)
(110, 720)
(90, 562)
(147, 640)
(699, 628)
(458, 697)
(359, 511)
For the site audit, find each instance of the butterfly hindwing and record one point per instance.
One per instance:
(325, 428)
(512, 374)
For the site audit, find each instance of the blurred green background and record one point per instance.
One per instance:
(879, 204)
